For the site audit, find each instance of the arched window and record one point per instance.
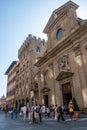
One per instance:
(38, 50)
(59, 33)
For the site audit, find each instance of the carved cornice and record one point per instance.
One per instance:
(45, 89)
(62, 75)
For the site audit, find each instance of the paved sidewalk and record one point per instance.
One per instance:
(6, 123)
(67, 116)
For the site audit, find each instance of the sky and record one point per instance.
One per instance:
(18, 19)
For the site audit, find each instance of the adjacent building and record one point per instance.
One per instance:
(11, 84)
(28, 54)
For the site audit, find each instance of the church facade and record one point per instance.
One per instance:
(62, 71)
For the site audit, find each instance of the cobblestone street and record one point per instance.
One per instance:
(6, 123)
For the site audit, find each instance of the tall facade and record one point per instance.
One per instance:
(26, 88)
(11, 84)
(62, 70)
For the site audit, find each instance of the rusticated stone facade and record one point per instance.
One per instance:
(26, 88)
(63, 69)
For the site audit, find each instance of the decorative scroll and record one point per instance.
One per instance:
(77, 50)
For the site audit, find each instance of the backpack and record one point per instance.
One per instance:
(37, 109)
(59, 110)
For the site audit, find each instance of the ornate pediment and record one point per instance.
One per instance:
(45, 89)
(62, 75)
(58, 13)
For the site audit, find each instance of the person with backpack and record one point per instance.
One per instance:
(60, 114)
(37, 108)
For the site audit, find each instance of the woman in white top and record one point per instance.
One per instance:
(24, 109)
(56, 114)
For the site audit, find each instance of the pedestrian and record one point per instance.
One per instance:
(71, 109)
(24, 109)
(48, 112)
(6, 110)
(30, 112)
(36, 113)
(33, 114)
(12, 112)
(43, 110)
(56, 114)
(15, 112)
(66, 111)
(60, 114)
(40, 114)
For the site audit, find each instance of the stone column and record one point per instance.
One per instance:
(81, 78)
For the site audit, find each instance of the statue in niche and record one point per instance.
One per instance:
(63, 63)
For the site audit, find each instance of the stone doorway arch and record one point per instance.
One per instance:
(66, 93)
(46, 95)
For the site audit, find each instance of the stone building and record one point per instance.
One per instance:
(26, 88)
(63, 69)
(2, 102)
(11, 84)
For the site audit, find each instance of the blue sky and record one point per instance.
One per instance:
(18, 18)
